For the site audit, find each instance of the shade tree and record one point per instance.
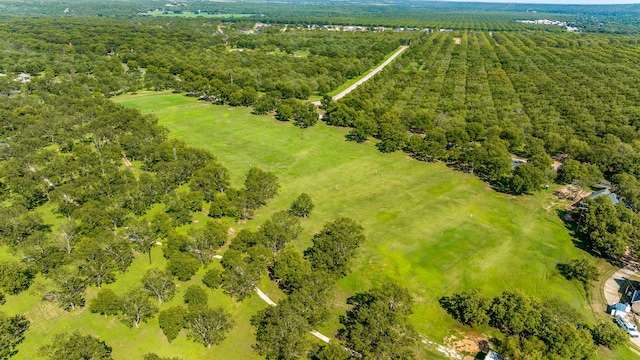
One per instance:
(203, 242)
(281, 333)
(468, 307)
(12, 331)
(260, 186)
(302, 206)
(69, 288)
(212, 278)
(279, 230)
(208, 326)
(77, 346)
(172, 321)
(334, 246)
(195, 296)
(377, 326)
(136, 307)
(106, 303)
(159, 284)
(15, 276)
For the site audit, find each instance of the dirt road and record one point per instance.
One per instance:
(612, 287)
(368, 76)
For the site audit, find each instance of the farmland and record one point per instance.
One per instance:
(436, 229)
(160, 165)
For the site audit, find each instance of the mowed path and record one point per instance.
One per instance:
(368, 76)
(268, 300)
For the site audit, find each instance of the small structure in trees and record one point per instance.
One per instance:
(23, 77)
(492, 355)
(615, 199)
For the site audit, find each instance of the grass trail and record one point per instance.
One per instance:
(428, 227)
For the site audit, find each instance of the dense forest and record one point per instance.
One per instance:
(619, 19)
(518, 105)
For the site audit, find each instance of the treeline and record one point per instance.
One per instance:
(71, 154)
(197, 55)
(533, 330)
(618, 19)
(485, 101)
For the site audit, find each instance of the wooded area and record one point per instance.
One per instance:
(87, 186)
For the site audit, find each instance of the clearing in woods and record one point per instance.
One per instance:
(428, 227)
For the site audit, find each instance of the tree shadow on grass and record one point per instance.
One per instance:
(570, 222)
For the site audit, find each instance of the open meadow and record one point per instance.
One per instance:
(432, 229)
(471, 152)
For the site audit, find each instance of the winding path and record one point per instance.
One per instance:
(268, 300)
(367, 77)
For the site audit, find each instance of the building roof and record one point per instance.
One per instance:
(620, 307)
(615, 199)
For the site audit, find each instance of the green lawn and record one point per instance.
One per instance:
(131, 343)
(430, 228)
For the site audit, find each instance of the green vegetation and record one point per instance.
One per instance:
(123, 238)
(542, 331)
(194, 14)
(439, 230)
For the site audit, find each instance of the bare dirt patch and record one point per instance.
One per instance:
(125, 160)
(571, 193)
(457, 41)
(468, 344)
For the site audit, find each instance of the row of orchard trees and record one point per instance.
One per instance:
(479, 100)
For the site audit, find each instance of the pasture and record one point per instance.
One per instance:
(48, 320)
(430, 228)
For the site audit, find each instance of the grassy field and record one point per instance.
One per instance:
(430, 228)
(131, 343)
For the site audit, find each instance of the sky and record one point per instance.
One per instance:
(559, 2)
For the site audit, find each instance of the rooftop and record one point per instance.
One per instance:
(615, 199)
